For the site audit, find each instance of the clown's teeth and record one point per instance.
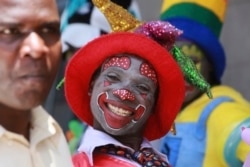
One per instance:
(119, 111)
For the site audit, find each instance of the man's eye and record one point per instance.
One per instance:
(10, 31)
(10, 35)
(196, 59)
(46, 30)
(49, 33)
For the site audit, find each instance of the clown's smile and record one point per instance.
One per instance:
(119, 111)
(118, 115)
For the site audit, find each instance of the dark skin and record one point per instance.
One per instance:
(30, 51)
(130, 133)
(132, 140)
(203, 65)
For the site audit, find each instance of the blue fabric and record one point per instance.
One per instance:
(190, 146)
(190, 139)
(204, 38)
(201, 124)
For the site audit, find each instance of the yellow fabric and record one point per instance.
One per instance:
(218, 7)
(47, 146)
(220, 123)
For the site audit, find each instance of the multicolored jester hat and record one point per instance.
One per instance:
(121, 20)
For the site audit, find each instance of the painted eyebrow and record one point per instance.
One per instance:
(119, 69)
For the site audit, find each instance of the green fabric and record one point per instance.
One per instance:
(194, 12)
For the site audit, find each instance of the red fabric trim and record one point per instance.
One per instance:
(80, 160)
(100, 160)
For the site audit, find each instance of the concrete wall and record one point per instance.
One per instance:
(235, 38)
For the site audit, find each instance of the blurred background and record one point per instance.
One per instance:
(235, 38)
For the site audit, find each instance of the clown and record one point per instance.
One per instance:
(208, 131)
(128, 86)
(81, 22)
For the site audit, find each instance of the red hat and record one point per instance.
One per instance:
(150, 41)
(171, 80)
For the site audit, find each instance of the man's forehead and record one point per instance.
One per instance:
(10, 6)
(13, 3)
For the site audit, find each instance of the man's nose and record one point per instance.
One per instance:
(33, 45)
(124, 94)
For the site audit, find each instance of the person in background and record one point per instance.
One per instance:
(81, 22)
(30, 50)
(208, 132)
(128, 86)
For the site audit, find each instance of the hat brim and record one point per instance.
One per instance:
(171, 81)
(204, 38)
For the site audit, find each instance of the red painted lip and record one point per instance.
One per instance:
(116, 121)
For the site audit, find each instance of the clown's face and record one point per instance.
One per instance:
(123, 95)
(202, 64)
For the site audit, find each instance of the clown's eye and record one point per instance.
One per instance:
(113, 77)
(195, 59)
(143, 88)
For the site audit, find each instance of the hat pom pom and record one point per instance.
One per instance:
(162, 32)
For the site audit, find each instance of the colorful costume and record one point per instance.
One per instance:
(223, 120)
(208, 131)
(89, 157)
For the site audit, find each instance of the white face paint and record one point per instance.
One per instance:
(125, 96)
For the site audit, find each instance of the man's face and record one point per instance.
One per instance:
(123, 95)
(29, 51)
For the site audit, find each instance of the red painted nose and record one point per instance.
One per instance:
(124, 94)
